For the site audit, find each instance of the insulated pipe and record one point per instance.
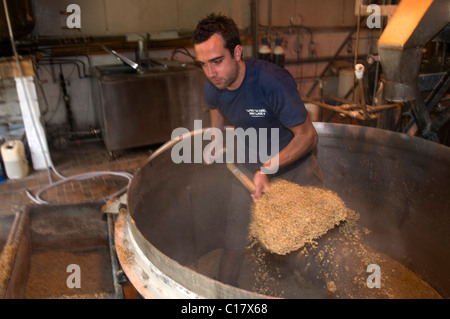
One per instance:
(414, 23)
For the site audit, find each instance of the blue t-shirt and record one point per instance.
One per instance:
(267, 98)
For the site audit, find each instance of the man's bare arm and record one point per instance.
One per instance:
(304, 141)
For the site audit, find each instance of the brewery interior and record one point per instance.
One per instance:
(91, 91)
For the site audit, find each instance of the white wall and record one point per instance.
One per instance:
(317, 13)
(11, 122)
(119, 17)
(53, 108)
(112, 17)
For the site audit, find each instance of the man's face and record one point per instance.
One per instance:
(220, 68)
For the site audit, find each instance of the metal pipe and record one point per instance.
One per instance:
(66, 98)
(359, 75)
(377, 68)
(319, 59)
(254, 27)
(357, 33)
(114, 262)
(60, 62)
(371, 109)
(334, 57)
(352, 114)
(438, 92)
(423, 119)
(380, 108)
(437, 123)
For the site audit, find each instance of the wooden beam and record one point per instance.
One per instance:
(10, 69)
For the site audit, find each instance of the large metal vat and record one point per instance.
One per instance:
(400, 186)
(137, 110)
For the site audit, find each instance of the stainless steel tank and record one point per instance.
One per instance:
(146, 107)
(400, 186)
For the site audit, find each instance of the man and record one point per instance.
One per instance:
(234, 90)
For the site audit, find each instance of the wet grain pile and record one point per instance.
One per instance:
(48, 276)
(7, 256)
(289, 216)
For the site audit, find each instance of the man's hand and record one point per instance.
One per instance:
(261, 182)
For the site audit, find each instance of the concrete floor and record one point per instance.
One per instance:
(79, 158)
(88, 156)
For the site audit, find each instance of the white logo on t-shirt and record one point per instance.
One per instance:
(256, 112)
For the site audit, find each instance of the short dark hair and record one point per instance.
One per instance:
(217, 23)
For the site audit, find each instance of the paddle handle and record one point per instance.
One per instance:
(247, 182)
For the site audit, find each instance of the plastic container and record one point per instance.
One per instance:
(278, 53)
(265, 52)
(14, 159)
(346, 82)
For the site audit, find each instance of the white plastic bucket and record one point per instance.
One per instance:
(313, 111)
(14, 160)
(346, 82)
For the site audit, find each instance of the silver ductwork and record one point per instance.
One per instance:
(414, 23)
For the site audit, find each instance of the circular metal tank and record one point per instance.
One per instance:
(398, 184)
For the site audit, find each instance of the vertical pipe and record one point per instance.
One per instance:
(114, 262)
(357, 33)
(377, 70)
(254, 27)
(330, 62)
